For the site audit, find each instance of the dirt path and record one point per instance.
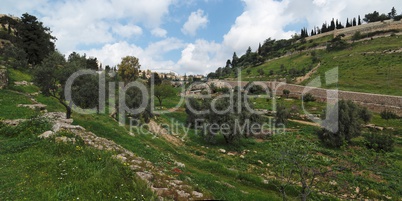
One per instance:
(155, 128)
(308, 75)
(305, 122)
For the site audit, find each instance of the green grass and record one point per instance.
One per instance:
(363, 67)
(8, 105)
(37, 169)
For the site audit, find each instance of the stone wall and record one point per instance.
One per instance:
(374, 102)
(3, 77)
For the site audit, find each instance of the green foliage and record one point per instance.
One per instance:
(282, 115)
(337, 43)
(387, 114)
(286, 93)
(365, 115)
(357, 36)
(35, 39)
(128, 69)
(380, 141)
(308, 98)
(255, 89)
(163, 91)
(344, 124)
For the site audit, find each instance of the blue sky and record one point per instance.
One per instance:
(192, 36)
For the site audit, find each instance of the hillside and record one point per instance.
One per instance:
(372, 64)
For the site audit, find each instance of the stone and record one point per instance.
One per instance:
(222, 151)
(33, 106)
(260, 162)
(242, 156)
(182, 165)
(197, 194)
(231, 154)
(159, 191)
(61, 139)
(46, 135)
(182, 194)
(146, 176)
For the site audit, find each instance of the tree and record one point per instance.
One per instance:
(51, 76)
(92, 63)
(155, 79)
(128, 69)
(354, 23)
(235, 59)
(393, 13)
(286, 93)
(365, 115)
(228, 63)
(248, 52)
(356, 36)
(282, 115)
(163, 91)
(248, 71)
(297, 165)
(14, 56)
(359, 21)
(36, 40)
(340, 131)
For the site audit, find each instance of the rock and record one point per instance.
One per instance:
(64, 139)
(222, 151)
(231, 154)
(182, 165)
(265, 181)
(159, 191)
(197, 194)
(33, 106)
(23, 83)
(14, 122)
(268, 165)
(182, 194)
(333, 183)
(146, 176)
(260, 162)
(46, 135)
(241, 156)
(357, 190)
(121, 158)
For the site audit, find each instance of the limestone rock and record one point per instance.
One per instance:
(46, 135)
(222, 151)
(197, 194)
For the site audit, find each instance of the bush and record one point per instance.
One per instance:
(342, 125)
(308, 98)
(286, 93)
(386, 114)
(379, 141)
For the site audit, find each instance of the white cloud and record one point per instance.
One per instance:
(159, 32)
(195, 21)
(127, 31)
(261, 19)
(201, 57)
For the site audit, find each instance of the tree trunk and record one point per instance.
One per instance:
(68, 114)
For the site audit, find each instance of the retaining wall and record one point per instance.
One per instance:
(3, 77)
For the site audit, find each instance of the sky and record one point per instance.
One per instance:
(181, 36)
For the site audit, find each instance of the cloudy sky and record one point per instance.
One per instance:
(183, 36)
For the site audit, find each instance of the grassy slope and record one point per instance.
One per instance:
(43, 170)
(371, 72)
(205, 167)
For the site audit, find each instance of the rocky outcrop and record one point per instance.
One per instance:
(160, 183)
(3, 77)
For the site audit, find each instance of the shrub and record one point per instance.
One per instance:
(308, 98)
(379, 141)
(342, 125)
(286, 93)
(386, 114)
